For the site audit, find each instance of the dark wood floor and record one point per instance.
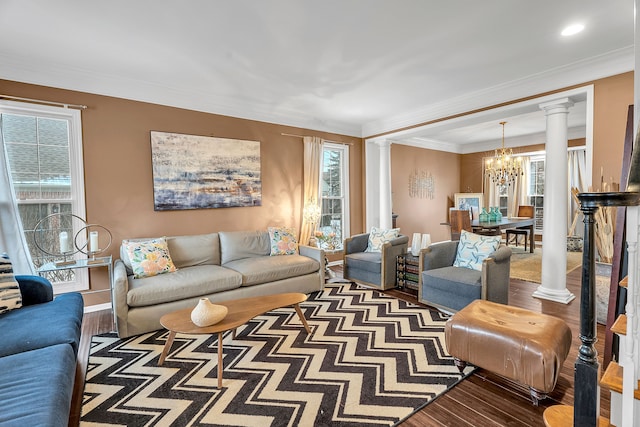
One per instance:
(483, 399)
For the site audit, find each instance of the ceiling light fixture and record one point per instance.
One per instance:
(572, 29)
(502, 168)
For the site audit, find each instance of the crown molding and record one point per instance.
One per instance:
(513, 142)
(581, 72)
(78, 79)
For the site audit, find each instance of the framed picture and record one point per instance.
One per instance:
(203, 172)
(471, 202)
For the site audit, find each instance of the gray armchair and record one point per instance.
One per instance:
(450, 288)
(372, 268)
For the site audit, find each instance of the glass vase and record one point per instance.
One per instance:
(484, 215)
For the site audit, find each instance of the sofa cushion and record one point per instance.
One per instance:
(42, 325)
(460, 281)
(474, 248)
(10, 296)
(198, 249)
(272, 268)
(185, 283)
(36, 387)
(149, 258)
(366, 261)
(243, 244)
(283, 241)
(379, 236)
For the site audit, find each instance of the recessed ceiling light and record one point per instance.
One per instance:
(572, 29)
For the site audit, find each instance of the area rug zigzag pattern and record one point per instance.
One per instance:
(371, 359)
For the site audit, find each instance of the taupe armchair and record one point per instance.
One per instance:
(450, 288)
(372, 268)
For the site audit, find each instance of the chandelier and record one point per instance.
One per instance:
(503, 168)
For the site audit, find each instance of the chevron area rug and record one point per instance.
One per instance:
(371, 360)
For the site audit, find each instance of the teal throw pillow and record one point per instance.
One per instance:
(474, 248)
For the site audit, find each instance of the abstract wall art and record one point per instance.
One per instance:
(203, 172)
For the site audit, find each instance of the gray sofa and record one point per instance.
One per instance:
(219, 266)
(452, 288)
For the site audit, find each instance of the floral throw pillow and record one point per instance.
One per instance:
(10, 296)
(149, 258)
(379, 236)
(283, 241)
(474, 248)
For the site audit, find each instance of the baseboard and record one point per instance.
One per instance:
(97, 307)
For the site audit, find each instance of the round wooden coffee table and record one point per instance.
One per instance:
(240, 312)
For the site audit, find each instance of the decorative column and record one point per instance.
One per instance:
(556, 193)
(385, 183)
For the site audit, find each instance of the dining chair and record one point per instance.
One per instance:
(524, 211)
(459, 220)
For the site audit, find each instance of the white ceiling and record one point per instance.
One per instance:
(356, 67)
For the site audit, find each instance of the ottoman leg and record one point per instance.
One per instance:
(536, 395)
(460, 364)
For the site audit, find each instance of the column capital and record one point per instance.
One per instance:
(561, 105)
(382, 142)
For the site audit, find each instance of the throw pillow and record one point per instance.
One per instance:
(10, 296)
(379, 236)
(283, 241)
(149, 258)
(474, 248)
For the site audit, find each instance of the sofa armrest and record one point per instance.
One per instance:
(312, 252)
(356, 243)
(34, 289)
(438, 255)
(496, 276)
(119, 297)
(390, 252)
(317, 254)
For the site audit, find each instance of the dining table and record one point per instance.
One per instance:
(508, 222)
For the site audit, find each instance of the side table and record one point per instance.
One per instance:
(407, 271)
(105, 261)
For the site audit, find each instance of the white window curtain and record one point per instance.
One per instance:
(311, 183)
(577, 162)
(491, 191)
(519, 192)
(12, 238)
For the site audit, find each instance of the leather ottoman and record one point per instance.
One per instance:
(519, 344)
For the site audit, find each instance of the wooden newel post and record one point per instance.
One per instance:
(587, 369)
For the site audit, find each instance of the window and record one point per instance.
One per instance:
(334, 185)
(536, 189)
(43, 145)
(503, 192)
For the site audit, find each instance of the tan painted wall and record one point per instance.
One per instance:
(612, 97)
(118, 177)
(424, 215)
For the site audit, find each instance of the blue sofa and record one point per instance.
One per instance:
(38, 353)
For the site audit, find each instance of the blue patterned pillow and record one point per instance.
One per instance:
(474, 248)
(379, 236)
(10, 296)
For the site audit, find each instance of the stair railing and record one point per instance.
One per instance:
(630, 360)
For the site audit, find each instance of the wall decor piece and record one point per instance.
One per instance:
(200, 172)
(469, 202)
(421, 184)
